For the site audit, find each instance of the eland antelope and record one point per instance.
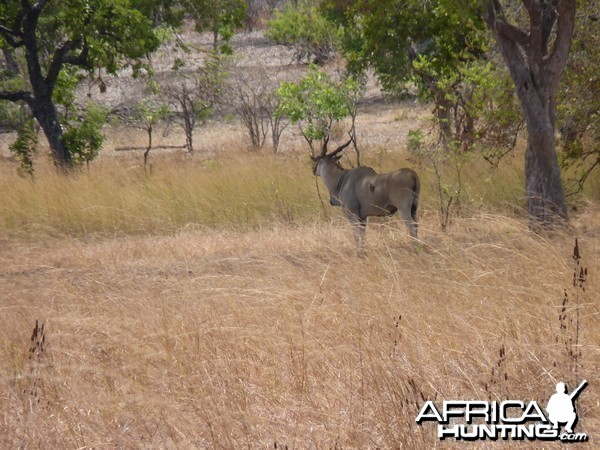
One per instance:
(362, 192)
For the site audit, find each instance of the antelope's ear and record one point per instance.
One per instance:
(314, 158)
(336, 158)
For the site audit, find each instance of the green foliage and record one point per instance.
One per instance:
(578, 102)
(149, 112)
(10, 116)
(84, 137)
(221, 17)
(201, 110)
(82, 125)
(24, 147)
(316, 102)
(476, 105)
(302, 26)
(111, 33)
(493, 107)
(415, 140)
(389, 35)
(436, 46)
(58, 38)
(64, 89)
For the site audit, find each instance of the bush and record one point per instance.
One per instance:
(24, 147)
(302, 27)
(84, 137)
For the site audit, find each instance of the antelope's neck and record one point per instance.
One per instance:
(331, 175)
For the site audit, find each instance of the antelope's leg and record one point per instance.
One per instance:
(409, 222)
(359, 227)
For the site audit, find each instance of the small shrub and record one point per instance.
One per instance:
(24, 147)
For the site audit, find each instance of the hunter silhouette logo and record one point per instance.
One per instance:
(561, 407)
(472, 420)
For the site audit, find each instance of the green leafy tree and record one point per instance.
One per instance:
(12, 114)
(53, 36)
(535, 45)
(407, 42)
(303, 27)
(81, 124)
(578, 102)
(149, 113)
(316, 102)
(435, 39)
(221, 17)
(83, 136)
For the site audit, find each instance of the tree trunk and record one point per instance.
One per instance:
(189, 121)
(443, 112)
(42, 106)
(215, 40)
(147, 152)
(46, 115)
(536, 63)
(189, 136)
(543, 186)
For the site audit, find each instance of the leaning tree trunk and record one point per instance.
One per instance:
(536, 62)
(46, 115)
(42, 85)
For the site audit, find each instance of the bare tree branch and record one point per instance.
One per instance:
(535, 36)
(557, 59)
(24, 96)
(515, 34)
(10, 35)
(60, 58)
(549, 15)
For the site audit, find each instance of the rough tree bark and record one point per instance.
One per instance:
(536, 58)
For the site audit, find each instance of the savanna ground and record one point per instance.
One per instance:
(213, 302)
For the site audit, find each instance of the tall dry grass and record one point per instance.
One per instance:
(112, 198)
(120, 197)
(215, 306)
(246, 339)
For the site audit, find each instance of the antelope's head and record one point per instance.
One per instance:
(325, 158)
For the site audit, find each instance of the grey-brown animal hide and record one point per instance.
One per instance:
(362, 192)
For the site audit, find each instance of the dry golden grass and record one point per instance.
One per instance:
(233, 190)
(215, 304)
(179, 191)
